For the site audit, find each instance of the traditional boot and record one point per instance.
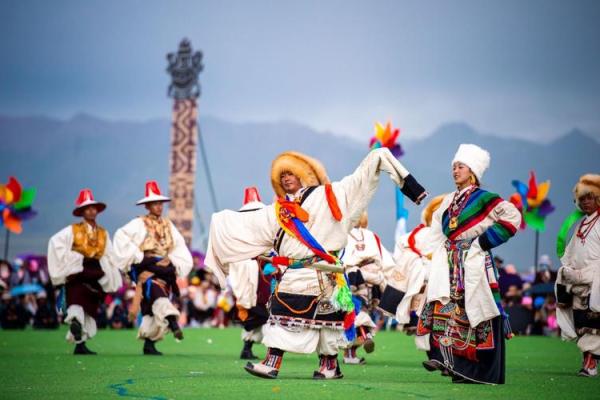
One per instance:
(328, 368)
(149, 349)
(269, 367)
(174, 327)
(247, 351)
(81, 349)
(76, 329)
(589, 367)
(351, 358)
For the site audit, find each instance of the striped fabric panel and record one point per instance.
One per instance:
(496, 234)
(479, 205)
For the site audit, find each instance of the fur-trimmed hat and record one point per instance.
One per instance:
(309, 170)
(428, 211)
(588, 183)
(474, 157)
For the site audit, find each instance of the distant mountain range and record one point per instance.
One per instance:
(116, 158)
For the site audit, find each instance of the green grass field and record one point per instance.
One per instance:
(39, 365)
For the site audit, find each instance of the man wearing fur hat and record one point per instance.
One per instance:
(578, 282)
(251, 286)
(153, 252)
(308, 225)
(365, 259)
(463, 315)
(80, 257)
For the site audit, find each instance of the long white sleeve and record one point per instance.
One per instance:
(62, 261)
(126, 244)
(112, 279)
(180, 256)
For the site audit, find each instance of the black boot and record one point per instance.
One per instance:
(76, 330)
(81, 349)
(174, 327)
(247, 351)
(149, 349)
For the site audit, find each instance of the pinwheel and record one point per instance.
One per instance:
(532, 200)
(15, 207)
(387, 136)
(534, 205)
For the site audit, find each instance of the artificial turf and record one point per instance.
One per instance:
(39, 365)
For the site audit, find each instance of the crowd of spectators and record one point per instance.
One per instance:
(29, 299)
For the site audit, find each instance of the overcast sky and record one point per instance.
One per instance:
(516, 68)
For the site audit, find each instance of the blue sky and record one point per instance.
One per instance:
(513, 68)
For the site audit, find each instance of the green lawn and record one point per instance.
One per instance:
(39, 365)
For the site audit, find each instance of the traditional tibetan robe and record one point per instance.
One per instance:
(138, 246)
(81, 258)
(463, 314)
(302, 318)
(579, 297)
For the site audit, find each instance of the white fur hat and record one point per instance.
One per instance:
(474, 157)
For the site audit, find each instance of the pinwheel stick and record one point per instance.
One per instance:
(537, 246)
(6, 243)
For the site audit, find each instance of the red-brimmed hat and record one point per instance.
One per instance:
(251, 199)
(86, 198)
(152, 194)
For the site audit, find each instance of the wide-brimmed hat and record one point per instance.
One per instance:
(251, 199)
(474, 157)
(309, 170)
(152, 194)
(86, 198)
(588, 183)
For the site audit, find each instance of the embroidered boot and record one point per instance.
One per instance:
(589, 367)
(247, 351)
(269, 367)
(328, 368)
(351, 358)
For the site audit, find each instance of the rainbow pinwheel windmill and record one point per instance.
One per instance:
(534, 205)
(532, 200)
(387, 136)
(15, 205)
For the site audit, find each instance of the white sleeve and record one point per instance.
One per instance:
(360, 186)
(237, 236)
(180, 256)
(112, 280)
(62, 261)
(126, 244)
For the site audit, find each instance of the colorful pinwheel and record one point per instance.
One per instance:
(386, 136)
(532, 200)
(15, 205)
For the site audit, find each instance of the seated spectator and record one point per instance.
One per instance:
(45, 317)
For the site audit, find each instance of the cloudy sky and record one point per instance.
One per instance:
(518, 68)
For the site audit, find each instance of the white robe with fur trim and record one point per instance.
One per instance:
(585, 258)
(238, 236)
(63, 261)
(129, 238)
